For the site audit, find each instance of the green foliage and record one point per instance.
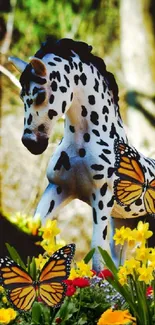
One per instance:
(95, 22)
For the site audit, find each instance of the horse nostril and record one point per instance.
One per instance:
(37, 146)
(41, 128)
(27, 131)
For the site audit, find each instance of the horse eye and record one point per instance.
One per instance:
(40, 98)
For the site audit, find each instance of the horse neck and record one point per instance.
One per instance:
(102, 115)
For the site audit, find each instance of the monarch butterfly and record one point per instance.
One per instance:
(131, 183)
(22, 290)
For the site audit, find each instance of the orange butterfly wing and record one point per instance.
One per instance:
(149, 198)
(19, 284)
(51, 288)
(129, 186)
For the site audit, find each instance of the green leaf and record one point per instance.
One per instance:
(36, 313)
(33, 269)
(15, 256)
(89, 256)
(108, 261)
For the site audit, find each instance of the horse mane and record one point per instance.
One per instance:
(65, 48)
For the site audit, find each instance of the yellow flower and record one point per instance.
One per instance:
(131, 266)
(131, 236)
(122, 275)
(81, 270)
(7, 315)
(145, 274)
(116, 317)
(142, 254)
(73, 274)
(34, 224)
(120, 236)
(1, 289)
(4, 300)
(142, 231)
(50, 230)
(40, 261)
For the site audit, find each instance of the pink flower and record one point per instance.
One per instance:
(104, 274)
(81, 282)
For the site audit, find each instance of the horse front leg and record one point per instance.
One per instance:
(102, 202)
(52, 200)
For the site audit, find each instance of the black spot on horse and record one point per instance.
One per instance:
(52, 113)
(54, 86)
(86, 137)
(92, 68)
(72, 129)
(97, 133)
(104, 128)
(29, 120)
(94, 196)
(55, 75)
(113, 131)
(98, 176)
(51, 100)
(102, 96)
(94, 216)
(57, 59)
(29, 102)
(59, 190)
(94, 118)
(102, 143)
(67, 81)
(103, 189)
(98, 74)
(96, 87)
(67, 68)
(83, 79)
(106, 151)
(75, 65)
(111, 170)
(97, 167)
(91, 99)
(102, 156)
(127, 209)
(40, 98)
(105, 110)
(106, 118)
(104, 218)
(63, 161)
(100, 205)
(82, 152)
(111, 202)
(76, 79)
(109, 102)
(25, 107)
(63, 106)
(80, 66)
(84, 111)
(105, 233)
(71, 96)
(52, 64)
(63, 89)
(51, 206)
(35, 90)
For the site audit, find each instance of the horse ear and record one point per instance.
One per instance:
(38, 66)
(19, 64)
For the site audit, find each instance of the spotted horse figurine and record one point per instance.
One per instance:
(94, 161)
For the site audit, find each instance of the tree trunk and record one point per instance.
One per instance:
(138, 62)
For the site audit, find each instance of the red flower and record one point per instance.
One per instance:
(149, 290)
(104, 274)
(70, 290)
(81, 282)
(58, 320)
(68, 282)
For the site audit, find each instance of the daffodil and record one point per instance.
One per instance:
(142, 254)
(122, 275)
(84, 269)
(1, 289)
(40, 261)
(131, 266)
(145, 274)
(50, 230)
(120, 236)
(142, 232)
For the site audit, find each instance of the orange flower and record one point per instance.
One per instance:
(116, 317)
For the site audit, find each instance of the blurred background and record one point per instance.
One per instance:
(120, 31)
